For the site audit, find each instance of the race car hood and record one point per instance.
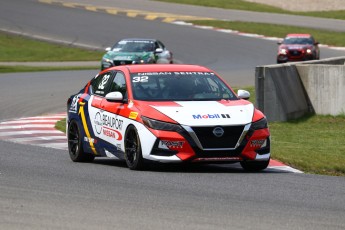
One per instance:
(127, 56)
(206, 113)
(296, 47)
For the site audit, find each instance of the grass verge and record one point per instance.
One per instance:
(251, 6)
(323, 36)
(61, 125)
(14, 48)
(313, 144)
(16, 69)
(22, 49)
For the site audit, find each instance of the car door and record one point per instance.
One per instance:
(108, 115)
(100, 86)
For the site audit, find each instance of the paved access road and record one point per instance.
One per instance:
(40, 188)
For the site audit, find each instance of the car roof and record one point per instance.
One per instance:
(162, 68)
(138, 39)
(299, 35)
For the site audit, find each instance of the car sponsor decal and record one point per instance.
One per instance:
(104, 81)
(74, 104)
(133, 115)
(210, 116)
(86, 139)
(108, 125)
(217, 159)
(175, 73)
(130, 104)
(126, 58)
(112, 133)
(198, 113)
(257, 143)
(167, 144)
(83, 119)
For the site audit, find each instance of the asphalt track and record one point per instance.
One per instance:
(234, 57)
(40, 188)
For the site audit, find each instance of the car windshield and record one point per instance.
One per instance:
(180, 86)
(298, 40)
(134, 46)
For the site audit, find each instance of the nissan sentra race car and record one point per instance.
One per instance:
(165, 113)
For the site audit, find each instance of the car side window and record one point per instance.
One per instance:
(160, 45)
(119, 84)
(101, 84)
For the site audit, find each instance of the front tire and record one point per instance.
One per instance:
(133, 153)
(75, 145)
(254, 166)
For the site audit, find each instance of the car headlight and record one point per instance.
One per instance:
(283, 51)
(106, 60)
(260, 124)
(160, 125)
(308, 51)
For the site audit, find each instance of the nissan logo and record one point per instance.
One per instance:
(218, 131)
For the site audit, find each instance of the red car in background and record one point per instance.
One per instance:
(298, 47)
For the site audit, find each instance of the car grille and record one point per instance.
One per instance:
(295, 52)
(229, 139)
(116, 63)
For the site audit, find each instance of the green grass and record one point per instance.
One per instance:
(250, 6)
(61, 125)
(17, 69)
(280, 31)
(313, 144)
(230, 4)
(22, 49)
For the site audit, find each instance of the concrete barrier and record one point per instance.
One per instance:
(325, 87)
(282, 94)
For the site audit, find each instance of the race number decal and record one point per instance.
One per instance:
(141, 79)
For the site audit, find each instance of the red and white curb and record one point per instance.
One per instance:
(228, 31)
(40, 131)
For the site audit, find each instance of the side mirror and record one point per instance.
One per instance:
(316, 43)
(279, 43)
(108, 49)
(159, 50)
(243, 94)
(114, 96)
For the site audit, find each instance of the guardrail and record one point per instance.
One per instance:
(289, 91)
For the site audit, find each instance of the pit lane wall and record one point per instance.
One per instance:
(289, 91)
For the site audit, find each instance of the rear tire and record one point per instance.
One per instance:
(254, 166)
(75, 146)
(133, 153)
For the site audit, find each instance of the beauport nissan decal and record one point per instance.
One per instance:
(108, 125)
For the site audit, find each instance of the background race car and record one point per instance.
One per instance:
(136, 51)
(298, 47)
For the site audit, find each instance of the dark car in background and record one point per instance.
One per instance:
(298, 47)
(136, 51)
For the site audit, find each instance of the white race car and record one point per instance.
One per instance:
(166, 113)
